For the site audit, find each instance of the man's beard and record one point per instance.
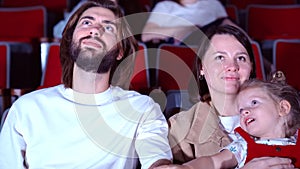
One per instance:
(93, 60)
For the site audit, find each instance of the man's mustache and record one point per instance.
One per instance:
(95, 38)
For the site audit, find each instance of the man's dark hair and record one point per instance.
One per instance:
(127, 45)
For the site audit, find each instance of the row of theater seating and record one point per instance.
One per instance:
(53, 5)
(272, 19)
(170, 70)
(170, 57)
(242, 5)
(264, 23)
(268, 22)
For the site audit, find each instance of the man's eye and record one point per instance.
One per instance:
(86, 22)
(109, 28)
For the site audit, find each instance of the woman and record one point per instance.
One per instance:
(225, 61)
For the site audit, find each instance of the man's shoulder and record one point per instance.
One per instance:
(129, 94)
(39, 93)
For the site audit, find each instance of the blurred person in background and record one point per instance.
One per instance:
(176, 19)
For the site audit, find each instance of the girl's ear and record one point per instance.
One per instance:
(284, 107)
(120, 56)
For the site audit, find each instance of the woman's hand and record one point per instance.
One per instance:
(173, 166)
(269, 163)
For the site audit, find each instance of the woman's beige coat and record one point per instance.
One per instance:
(196, 132)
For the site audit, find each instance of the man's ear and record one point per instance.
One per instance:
(284, 107)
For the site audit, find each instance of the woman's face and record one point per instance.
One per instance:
(226, 65)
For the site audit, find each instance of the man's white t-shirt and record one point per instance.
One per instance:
(60, 128)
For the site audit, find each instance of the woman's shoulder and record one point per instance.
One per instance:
(189, 115)
(198, 125)
(183, 121)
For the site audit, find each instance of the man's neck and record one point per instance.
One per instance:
(89, 83)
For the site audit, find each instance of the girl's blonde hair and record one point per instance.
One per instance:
(279, 90)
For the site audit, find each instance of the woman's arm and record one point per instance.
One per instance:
(153, 31)
(223, 159)
(269, 163)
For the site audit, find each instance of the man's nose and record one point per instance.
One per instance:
(97, 30)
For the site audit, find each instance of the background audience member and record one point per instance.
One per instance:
(59, 27)
(88, 121)
(178, 18)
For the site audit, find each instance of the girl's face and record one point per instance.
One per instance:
(260, 114)
(226, 65)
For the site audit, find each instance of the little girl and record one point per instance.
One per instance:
(269, 119)
(270, 123)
